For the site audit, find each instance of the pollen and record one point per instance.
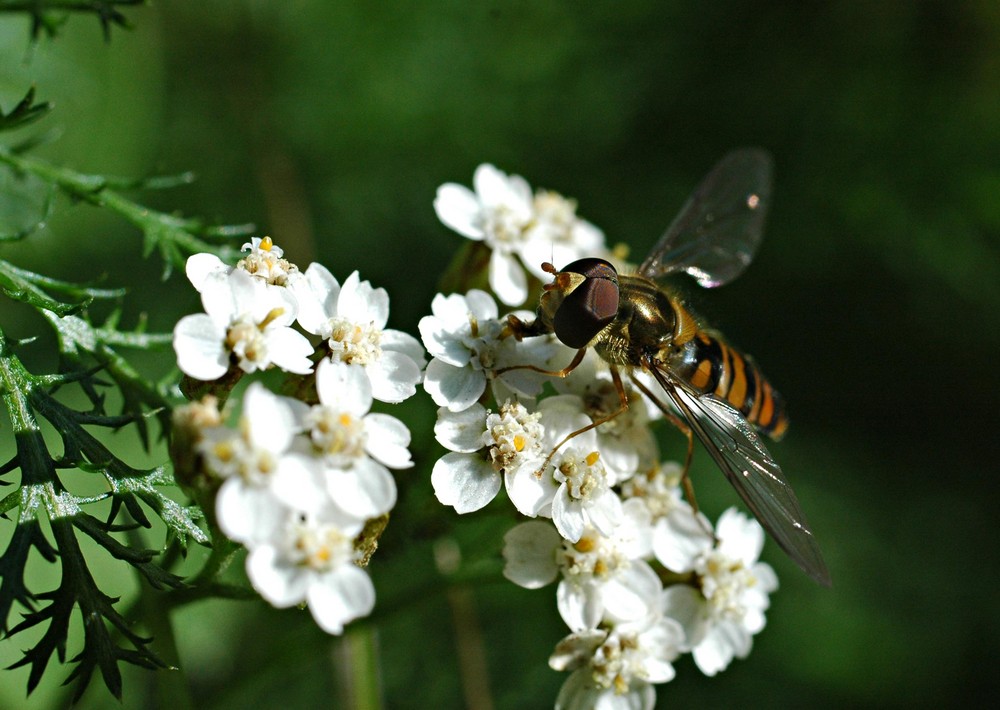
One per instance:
(519, 442)
(345, 419)
(266, 244)
(592, 458)
(224, 451)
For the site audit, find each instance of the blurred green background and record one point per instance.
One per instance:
(872, 304)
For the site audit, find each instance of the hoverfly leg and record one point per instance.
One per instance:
(577, 359)
(521, 330)
(682, 426)
(622, 399)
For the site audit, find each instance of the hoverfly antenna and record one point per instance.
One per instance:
(549, 268)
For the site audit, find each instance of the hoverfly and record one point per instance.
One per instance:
(636, 323)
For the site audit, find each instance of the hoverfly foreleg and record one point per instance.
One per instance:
(577, 359)
(622, 399)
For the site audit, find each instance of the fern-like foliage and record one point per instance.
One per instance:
(49, 16)
(51, 517)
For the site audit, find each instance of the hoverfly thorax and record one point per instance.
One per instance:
(581, 300)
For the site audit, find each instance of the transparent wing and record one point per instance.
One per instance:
(736, 448)
(717, 233)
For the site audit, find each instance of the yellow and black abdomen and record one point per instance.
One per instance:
(711, 365)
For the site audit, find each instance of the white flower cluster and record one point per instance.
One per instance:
(297, 481)
(641, 577)
(521, 229)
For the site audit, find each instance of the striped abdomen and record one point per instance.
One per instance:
(710, 365)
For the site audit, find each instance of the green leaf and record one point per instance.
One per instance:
(26, 112)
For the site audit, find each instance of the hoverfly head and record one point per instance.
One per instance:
(581, 300)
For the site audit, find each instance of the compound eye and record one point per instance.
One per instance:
(592, 268)
(588, 308)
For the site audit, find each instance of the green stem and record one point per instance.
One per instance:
(356, 658)
(95, 189)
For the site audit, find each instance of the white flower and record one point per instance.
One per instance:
(351, 319)
(727, 608)
(557, 235)
(616, 667)
(600, 580)
(352, 446)
(657, 491)
(521, 230)
(311, 559)
(626, 441)
(483, 444)
(261, 474)
(497, 213)
(468, 344)
(264, 262)
(574, 487)
(243, 320)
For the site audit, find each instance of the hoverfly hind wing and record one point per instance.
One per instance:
(737, 449)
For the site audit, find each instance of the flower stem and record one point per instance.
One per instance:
(356, 661)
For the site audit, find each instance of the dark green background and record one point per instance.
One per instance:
(871, 305)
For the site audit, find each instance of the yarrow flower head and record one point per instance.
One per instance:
(726, 607)
(469, 344)
(258, 468)
(573, 487)
(482, 445)
(245, 323)
(351, 320)
(304, 487)
(264, 261)
(312, 559)
(615, 667)
(521, 230)
(600, 578)
(350, 447)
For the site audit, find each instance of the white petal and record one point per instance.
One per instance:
(568, 515)
(740, 537)
(688, 607)
(459, 208)
(529, 552)
(579, 605)
(300, 483)
(718, 647)
(680, 538)
(200, 267)
(507, 278)
(481, 305)
(465, 482)
(362, 303)
(529, 493)
(605, 511)
(399, 342)
(387, 440)
(343, 387)
(289, 349)
(461, 431)
(394, 377)
(456, 388)
(317, 295)
(269, 421)
(443, 342)
(632, 593)
(198, 344)
(495, 189)
(281, 584)
(342, 595)
(365, 491)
